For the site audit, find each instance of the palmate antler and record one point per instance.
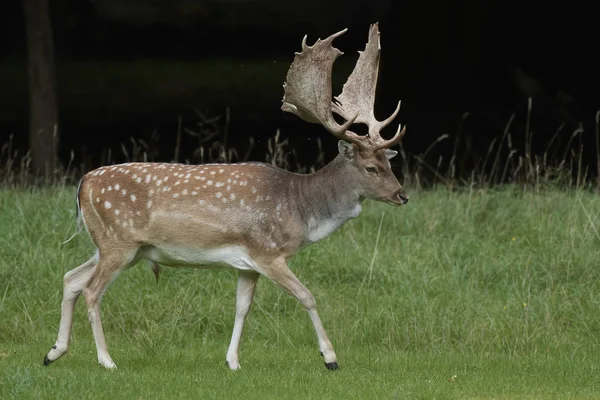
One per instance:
(307, 89)
(307, 92)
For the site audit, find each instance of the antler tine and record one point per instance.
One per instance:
(307, 89)
(386, 144)
(335, 35)
(389, 119)
(358, 93)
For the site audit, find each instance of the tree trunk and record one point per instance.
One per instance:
(43, 109)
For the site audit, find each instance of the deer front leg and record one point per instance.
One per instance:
(284, 277)
(245, 292)
(74, 281)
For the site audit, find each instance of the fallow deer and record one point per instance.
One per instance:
(249, 216)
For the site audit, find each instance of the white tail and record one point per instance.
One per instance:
(248, 216)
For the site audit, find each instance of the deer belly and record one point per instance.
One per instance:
(226, 256)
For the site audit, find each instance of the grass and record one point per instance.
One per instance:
(465, 294)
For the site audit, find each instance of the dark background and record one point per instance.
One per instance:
(134, 68)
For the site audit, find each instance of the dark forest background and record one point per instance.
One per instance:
(168, 74)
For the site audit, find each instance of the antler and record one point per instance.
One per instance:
(307, 90)
(358, 94)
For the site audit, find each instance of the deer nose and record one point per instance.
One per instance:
(401, 194)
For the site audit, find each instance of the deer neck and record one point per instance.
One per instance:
(328, 198)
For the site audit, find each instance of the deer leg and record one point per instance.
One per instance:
(285, 278)
(74, 281)
(245, 292)
(110, 264)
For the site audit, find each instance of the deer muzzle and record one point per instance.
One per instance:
(400, 196)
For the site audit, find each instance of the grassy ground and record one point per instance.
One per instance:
(465, 294)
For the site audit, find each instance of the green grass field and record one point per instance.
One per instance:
(459, 295)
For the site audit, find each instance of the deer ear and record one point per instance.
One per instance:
(346, 149)
(390, 153)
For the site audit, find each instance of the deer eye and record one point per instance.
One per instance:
(371, 169)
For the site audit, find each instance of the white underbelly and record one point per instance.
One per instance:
(229, 256)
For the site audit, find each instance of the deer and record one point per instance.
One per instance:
(249, 216)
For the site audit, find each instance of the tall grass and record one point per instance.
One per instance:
(561, 162)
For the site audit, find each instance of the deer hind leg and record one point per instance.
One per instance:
(245, 292)
(74, 281)
(111, 262)
(280, 273)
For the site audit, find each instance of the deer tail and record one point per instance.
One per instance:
(78, 215)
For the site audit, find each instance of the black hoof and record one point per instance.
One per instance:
(227, 364)
(47, 361)
(321, 353)
(332, 366)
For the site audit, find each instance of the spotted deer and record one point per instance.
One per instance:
(249, 216)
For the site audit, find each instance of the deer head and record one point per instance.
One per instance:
(308, 94)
